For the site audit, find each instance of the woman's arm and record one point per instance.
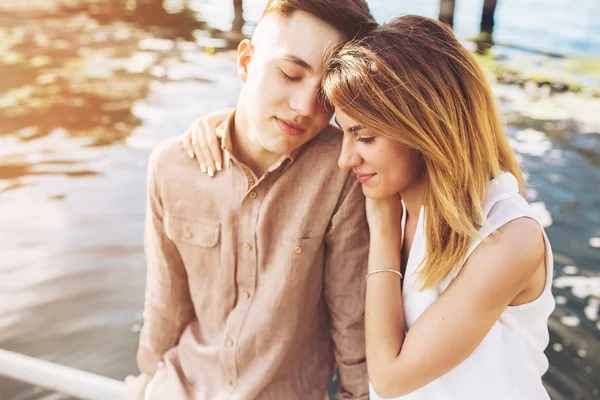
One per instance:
(456, 323)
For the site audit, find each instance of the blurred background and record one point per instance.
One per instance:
(88, 88)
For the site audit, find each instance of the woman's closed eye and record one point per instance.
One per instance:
(365, 139)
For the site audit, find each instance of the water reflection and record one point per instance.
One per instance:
(83, 100)
(564, 185)
(72, 85)
(13, 171)
(78, 74)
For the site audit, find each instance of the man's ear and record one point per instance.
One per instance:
(245, 53)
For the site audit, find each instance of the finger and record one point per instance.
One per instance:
(214, 147)
(186, 141)
(200, 138)
(198, 148)
(131, 385)
(133, 388)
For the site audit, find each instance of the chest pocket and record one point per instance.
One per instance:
(197, 241)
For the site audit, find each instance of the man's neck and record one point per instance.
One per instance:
(246, 148)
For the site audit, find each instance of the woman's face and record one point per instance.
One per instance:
(382, 167)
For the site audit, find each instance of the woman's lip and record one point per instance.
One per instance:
(362, 178)
(287, 127)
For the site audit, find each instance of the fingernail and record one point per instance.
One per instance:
(211, 172)
(190, 153)
(203, 168)
(218, 165)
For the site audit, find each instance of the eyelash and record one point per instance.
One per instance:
(288, 78)
(364, 139)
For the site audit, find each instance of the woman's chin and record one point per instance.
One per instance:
(376, 193)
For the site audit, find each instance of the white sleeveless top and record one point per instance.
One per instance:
(510, 361)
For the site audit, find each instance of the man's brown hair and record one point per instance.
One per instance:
(351, 17)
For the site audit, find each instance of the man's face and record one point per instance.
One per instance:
(281, 97)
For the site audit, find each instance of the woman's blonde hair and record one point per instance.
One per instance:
(411, 81)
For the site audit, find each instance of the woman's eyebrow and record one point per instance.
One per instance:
(352, 129)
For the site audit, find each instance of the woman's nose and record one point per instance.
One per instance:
(349, 157)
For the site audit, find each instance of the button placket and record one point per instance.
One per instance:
(246, 280)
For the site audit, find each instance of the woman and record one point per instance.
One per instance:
(459, 282)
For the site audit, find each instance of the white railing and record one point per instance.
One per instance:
(59, 378)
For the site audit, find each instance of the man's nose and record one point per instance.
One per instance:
(305, 101)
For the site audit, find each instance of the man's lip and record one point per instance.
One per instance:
(288, 128)
(293, 124)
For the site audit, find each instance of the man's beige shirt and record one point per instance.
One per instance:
(255, 286)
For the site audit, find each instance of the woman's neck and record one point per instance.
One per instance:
(413, 198)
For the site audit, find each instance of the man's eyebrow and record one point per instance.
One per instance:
(299, 62)
(352, 129)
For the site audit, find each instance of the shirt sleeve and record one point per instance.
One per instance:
(167, 306)
(347, 244)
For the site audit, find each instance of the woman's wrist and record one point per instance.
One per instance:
(385, 226)
(392, 236)
(385, 252)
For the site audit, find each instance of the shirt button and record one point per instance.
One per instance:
(188, 234)
(247, 247)
(229, 382)
(297, 249)
(160, 364)
(229, 343)
(246, 295)
(252, 195)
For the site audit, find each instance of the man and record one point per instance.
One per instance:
(255, 283)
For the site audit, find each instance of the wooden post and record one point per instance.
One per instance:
(238, 20)
(60, 378)
(447, 11)
(484, 40)
(487, 16)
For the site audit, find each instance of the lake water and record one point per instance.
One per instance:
(555, 26)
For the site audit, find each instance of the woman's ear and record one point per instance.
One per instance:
(244, 57)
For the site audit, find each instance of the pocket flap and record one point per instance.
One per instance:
(194, 232)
